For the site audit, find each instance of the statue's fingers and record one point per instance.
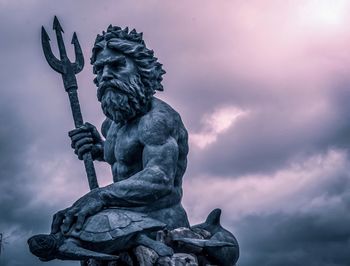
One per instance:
(74, 132)
(88, 125)
(80, 220)
(93, 131)
(80, 135)
(84, 149)
(77, 131)
(82, 142)
(57, 221)
(67, 222)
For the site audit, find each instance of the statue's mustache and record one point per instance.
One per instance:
(132, 86)
(114, 84)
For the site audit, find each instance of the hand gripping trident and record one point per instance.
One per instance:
(68, 71)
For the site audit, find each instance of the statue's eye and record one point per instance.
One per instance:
(122, 61)
(115, 65)
(119, 62)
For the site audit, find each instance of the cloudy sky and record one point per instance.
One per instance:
(263, 88)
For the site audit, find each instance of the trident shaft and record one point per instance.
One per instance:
(68, 71)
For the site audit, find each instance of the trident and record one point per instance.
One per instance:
(68, 71)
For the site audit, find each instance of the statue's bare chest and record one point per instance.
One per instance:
(122, 145)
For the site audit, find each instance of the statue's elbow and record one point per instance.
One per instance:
(161, 181)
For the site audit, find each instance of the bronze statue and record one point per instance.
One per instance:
(145, 142)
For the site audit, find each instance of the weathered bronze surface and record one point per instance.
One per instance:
(139, 218)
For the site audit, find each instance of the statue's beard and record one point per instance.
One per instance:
(115, 106)
(122, 101)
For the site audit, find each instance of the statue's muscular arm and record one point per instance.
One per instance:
(155, 180)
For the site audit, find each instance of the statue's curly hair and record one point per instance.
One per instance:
(132, 45)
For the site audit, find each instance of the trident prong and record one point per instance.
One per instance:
(58, 29)
(63, 66)
(79, 58)
(68, 71)
(50, 58)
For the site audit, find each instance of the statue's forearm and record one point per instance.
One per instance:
(140, 189)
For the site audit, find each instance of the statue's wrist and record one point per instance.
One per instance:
(100, 195)
(97, 151)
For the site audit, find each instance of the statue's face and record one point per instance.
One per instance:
(119, 85)
(111, 64)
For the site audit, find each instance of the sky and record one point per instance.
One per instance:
(263, 87)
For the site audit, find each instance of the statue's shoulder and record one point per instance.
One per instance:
(160, 122)
(108, 124)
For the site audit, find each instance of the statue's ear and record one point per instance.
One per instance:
(105, 127)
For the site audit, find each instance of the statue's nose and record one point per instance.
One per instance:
(107, 73)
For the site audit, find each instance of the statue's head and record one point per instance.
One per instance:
(43, 246)
(127, 73)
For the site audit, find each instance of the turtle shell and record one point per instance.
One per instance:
(114, 223)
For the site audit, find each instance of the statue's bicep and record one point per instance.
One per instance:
(162, 156)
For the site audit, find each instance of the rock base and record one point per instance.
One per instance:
(206, 244)
(147, 257)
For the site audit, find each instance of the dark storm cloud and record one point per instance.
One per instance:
(275, 133)
(20, 215)
(32, 137)
(298, 217)
(338, 97)
(265, 141)
(319, 237)
(12, 164)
